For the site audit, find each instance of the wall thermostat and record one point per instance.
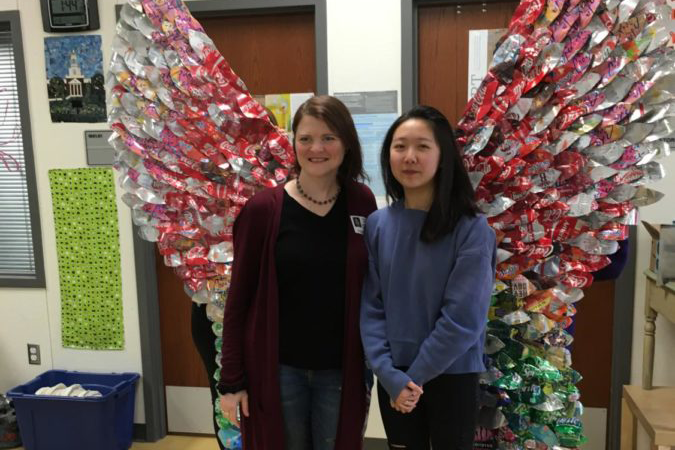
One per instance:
(69, 15)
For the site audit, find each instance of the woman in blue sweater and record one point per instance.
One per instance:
(427, 291)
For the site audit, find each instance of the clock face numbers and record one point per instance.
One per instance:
(68, 7)
(64, 13)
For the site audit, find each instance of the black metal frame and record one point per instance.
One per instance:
(38, 280)
(92, 18)
(622, 341)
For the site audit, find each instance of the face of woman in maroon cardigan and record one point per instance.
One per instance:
(320, 151)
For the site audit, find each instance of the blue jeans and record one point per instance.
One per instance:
(310, 405)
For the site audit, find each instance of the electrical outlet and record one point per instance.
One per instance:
(33, 354)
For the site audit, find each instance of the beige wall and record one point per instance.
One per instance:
(33, 315)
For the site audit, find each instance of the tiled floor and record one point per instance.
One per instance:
(176, 443)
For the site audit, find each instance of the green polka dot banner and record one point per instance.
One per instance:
(87, 245)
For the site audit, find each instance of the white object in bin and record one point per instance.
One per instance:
(61, 390)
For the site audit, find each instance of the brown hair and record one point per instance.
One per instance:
(336, 115)
(271, 116)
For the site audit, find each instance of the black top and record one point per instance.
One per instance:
(311, 255)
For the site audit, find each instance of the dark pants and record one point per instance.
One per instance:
(205, 341)
(310, 405)
(444, 418)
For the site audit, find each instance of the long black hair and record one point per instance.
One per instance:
(453, 193)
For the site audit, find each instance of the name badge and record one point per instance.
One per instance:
(359, 223)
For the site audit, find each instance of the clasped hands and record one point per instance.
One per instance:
(407, 399)
(230, 403)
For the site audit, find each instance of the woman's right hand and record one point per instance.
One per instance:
(229, 403)
(407, 399)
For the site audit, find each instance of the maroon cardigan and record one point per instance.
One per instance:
(250, 352)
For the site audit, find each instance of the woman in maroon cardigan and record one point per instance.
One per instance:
(292, 360)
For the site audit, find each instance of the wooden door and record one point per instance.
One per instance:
(443, 73)
(272, 54)
(443, 49)
(592, 347)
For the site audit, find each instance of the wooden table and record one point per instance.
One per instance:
(653, 407)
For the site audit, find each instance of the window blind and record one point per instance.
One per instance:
(17, 256)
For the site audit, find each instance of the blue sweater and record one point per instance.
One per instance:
(424, 306)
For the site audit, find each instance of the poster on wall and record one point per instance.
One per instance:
(75, 83)
(373, 114)
(482, 45)
(283, 106)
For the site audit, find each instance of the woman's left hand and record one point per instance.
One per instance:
(407, 399)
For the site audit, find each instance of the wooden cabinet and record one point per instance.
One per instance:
(652, 407)
(658, 300)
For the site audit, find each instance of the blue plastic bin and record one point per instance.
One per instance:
(70, 423)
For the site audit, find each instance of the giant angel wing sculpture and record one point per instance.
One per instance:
(192, 146)
(561, 137)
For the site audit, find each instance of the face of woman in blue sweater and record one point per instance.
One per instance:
(414, 156)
